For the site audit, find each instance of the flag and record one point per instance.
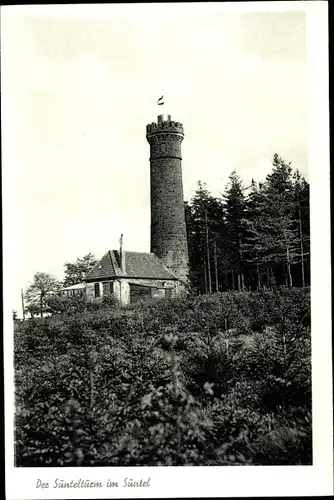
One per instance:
(121, 240)
(160, 101)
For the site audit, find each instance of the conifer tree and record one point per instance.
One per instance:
(302, 216)
(205, 226)
(274, 233)
(255, 233)
(235, 213)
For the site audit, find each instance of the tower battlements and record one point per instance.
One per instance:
(166, 126)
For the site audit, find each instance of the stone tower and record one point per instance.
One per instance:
(168, 225)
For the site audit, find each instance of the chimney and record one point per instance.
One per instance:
(122, 254)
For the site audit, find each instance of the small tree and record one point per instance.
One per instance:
(76, 272)
(37, 292)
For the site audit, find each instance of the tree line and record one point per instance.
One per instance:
(251, 237)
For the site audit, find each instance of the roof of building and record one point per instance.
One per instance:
(137, 265)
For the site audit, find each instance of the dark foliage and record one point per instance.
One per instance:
(75, 272)
(252, 237)
(221, 379)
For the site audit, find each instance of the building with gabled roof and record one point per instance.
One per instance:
(130, 276)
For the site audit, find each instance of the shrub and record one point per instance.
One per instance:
(209, 380)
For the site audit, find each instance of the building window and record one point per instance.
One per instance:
(97, 289)
(108, 288)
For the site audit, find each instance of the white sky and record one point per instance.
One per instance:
(79, 90)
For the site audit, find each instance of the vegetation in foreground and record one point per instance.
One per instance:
(222, 379)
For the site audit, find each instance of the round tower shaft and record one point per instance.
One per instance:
(168, 225)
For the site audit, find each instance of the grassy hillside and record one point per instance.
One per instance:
(210, 380)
